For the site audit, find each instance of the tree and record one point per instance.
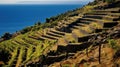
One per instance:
(25, 30)
(38, 23)
(6, 36)
(47, 20)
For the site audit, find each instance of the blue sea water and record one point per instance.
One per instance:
(16, 17)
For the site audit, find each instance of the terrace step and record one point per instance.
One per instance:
(79, 21)
(70, 37)
(97, 20)
(111, 10)
(82, 24)
(78, 43)
(106, 24)
(90, 19)
(50, 37)
(15, 43)
(45, 38)
(40, 38)
(103, 12)
(57, 32)
(94, 16)
(114, 14)
(109, 14)
(78, 25)
(23, 51)
(34, 37)
(109, 24)
(56, 58)
(71, 54)
(75, 24)
(100, 30)
(15, 59)
(23, 43)
(75, 27)
(54, 34)
(73, 47)
(18, 42)
(30, 41)
(110, 18)
(85, 21)
(95, 13)
(85, 38)
(51, 59)
(79, 32)
(62, 41)
(66, 39)
(68, 51)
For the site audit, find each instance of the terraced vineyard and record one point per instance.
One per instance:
(50, 45)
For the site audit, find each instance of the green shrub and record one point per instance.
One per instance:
(25, 30)
(66, 65)
(4, 55)
(112, 43)
(6, 36)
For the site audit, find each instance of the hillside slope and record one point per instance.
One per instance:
(76, 37)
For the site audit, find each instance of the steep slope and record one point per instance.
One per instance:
(103, 51)
(65, 40)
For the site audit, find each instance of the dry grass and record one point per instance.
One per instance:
(81, 59)
(88, 29)
(96, 25)
(87, 9)
(78, 33)
(69, 37)
(62, 41)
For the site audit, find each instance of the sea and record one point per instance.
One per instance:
(16, 17)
